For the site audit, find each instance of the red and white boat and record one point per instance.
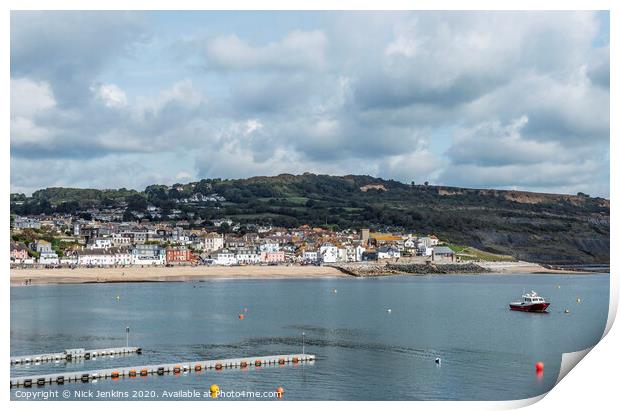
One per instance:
(530, 302)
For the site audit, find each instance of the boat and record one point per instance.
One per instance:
(530, 302)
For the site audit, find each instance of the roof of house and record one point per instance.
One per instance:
(443, 250)
(386, 249)
(384, 237)
(103, 251)
(15, 246)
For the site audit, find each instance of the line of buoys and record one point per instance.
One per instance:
(162, 369)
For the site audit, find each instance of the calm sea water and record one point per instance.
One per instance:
(363, 352)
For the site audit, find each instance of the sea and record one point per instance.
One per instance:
(374, 338)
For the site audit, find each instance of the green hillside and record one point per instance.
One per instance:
(531, 226)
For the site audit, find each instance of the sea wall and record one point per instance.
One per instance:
(378, 269)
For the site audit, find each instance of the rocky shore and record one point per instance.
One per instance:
(378, 270)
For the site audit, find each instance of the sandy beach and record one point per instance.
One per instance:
(524, 267)
(180, 273)
(188, 273)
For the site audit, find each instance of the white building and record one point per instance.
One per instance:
(213, 242)
(269, 247)
(225, 257)
(310, 256)
(387, 252)
(245, 256)
(359, 252)
(48, 257)
(99, 243)
(410, 242)
(427, 241)
(69, 260)
(425, 250)
(350, 253)
(328, 253)
(148, 255)
(104, 257)
(120, 240)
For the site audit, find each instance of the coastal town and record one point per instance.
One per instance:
(66, 241)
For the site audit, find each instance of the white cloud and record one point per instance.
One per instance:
(111, 95)
(356, 93)
(251, 126)
(28, 97)
(299, 50)
(495, 155)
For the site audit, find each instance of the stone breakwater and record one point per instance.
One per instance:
(377, 270)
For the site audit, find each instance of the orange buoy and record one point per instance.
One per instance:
(241, 316)
(258, 363)
(177, 369)
(281, 361)
(218, 366)
(114, 374)
(132, 373)
(540, 366)
(295, 360)
(243, 364)
(198, 367)
(279, 392)
(144, 372)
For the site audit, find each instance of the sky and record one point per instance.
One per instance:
(507, 100)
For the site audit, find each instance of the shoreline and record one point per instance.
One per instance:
(81, 275)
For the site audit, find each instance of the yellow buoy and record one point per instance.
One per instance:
(214, 389)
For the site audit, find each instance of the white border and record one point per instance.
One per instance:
(590, 385)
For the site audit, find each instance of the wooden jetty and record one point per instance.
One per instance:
(73, 354)
(160, 369)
